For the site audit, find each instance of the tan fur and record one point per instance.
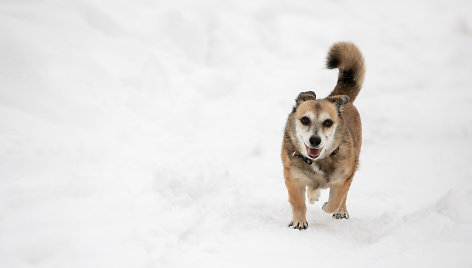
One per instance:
(348, 59)
(327, 171)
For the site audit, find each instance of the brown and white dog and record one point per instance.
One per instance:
(322, 139)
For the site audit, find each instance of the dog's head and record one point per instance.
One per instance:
(316, 122)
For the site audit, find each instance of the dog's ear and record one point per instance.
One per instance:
(339, 101)
(303, 96)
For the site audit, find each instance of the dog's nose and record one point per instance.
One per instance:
(315, 140)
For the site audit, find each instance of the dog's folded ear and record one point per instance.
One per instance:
(339, 101)
(303, 96)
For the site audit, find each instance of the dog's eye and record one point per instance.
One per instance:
(305, 120)
(328, 123)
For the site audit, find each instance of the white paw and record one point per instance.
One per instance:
(298, 224)
(313, 195)
(325, 208)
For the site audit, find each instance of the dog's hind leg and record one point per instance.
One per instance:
(337, 196)
(342, 211)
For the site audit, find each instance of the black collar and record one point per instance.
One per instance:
(308, 160)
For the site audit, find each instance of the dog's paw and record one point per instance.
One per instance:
(313, 195)
(298, 224)
(341, 214)
(326, 209)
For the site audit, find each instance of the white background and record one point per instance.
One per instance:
(148, 133)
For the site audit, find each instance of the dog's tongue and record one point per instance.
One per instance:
(313, 153)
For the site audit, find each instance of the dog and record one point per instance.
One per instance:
(322, 139)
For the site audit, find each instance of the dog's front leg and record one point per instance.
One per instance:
(337, 195)
(296, 197)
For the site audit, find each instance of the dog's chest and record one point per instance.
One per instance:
(310, 174)
(321, 176)
(316, 169)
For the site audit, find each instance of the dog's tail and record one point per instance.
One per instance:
(348, 59)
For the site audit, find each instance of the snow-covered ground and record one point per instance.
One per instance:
(147, 133)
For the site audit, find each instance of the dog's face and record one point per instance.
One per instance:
(316, 122)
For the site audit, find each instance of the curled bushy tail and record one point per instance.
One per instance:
(348, 59)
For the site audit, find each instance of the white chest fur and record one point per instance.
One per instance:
(316, 169)
(314, 177)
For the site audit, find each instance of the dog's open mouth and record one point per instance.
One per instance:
(313, 152)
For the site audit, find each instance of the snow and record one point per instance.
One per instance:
(148, 133)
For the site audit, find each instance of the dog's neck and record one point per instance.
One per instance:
(310, 161)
